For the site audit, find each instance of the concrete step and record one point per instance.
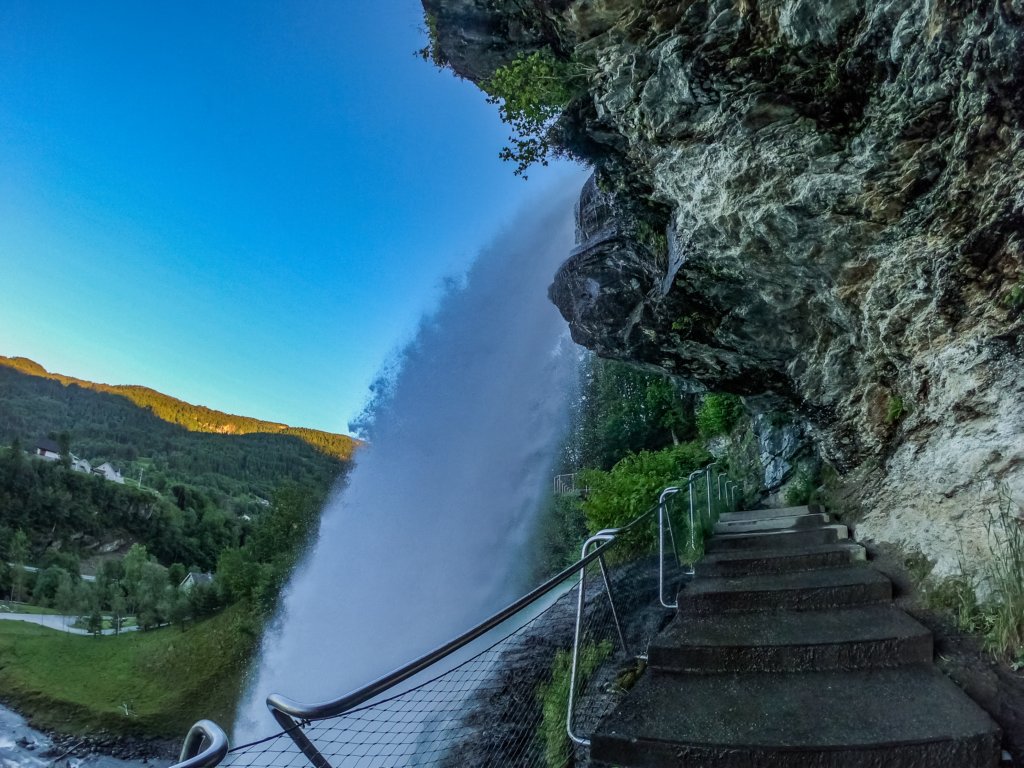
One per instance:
(908, 717)
(804, 591)
(795, 641)
(825, 534)
(764, 514)
(744, 562)
(773, 524)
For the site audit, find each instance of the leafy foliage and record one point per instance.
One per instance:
(718, 414)
(531, 92)
(632, 486)
(431, 52)
(46, 503)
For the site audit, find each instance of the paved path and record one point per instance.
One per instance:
(53, 621)
(786, 651)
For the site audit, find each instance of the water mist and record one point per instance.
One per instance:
(429, 537)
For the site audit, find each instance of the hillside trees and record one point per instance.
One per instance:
(256, 572)
(232, 470)
(624, 410)
(48, 503)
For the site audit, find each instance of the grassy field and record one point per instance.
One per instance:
(153, 683)
(8, 607)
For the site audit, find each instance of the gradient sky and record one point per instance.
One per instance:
(245, 204)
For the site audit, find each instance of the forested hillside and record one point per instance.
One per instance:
(198, 493)
(195, 418)
(107, 427)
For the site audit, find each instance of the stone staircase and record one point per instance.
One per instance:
(786, 651)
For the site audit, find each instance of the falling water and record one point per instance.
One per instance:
(429, 536)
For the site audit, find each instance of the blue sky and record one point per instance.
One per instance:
(246, 205)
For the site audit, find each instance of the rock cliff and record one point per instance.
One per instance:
(816, 204)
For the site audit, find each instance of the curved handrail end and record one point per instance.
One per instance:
(205, 746)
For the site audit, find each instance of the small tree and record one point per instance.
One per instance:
(65, 599)
(95, 622)
(117, 607)
(531, 92)
(180, 610)
(17, 553)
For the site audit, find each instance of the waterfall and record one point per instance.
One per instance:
(428, 536)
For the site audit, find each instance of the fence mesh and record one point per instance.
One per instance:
(502, 701)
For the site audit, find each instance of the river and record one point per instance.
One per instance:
(25, 747)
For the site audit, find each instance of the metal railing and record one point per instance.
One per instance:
(206, 745)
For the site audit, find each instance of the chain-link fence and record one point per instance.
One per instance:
(502, 698)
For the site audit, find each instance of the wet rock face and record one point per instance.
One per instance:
(844, 187)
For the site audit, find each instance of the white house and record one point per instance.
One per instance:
(107, 472)
(80, 465)
(47, 449)
(195, 579)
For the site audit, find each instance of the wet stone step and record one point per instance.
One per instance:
(743, 562)
(763, 514)
(808, 590)
(773, 524)
(909, 717)
(797, 641)
(827, 534)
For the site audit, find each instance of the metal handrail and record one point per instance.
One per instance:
(204, 747)
(206, 744)
(608, 537)
(338, 706)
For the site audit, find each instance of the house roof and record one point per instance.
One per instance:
(46, 444)
(197, 578)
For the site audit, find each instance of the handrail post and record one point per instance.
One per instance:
(662, 515)
(611, 602)
(711, 517)
(578, 633)
(294, 730)
(693, 528)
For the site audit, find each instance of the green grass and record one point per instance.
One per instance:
(554, 698)
(7, 606)
(141, 683)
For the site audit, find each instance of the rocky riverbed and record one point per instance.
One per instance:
(21, 746)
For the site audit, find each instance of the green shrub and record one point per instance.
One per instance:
(896, 409)
(554, 698)
(718, 414)
(802, 489)
(632, 486)
(1014, 298)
